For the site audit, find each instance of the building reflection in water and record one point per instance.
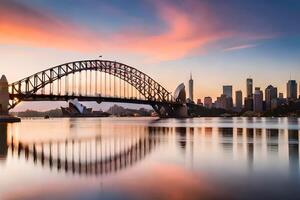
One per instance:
(3, 142)
(272, 137)
(181, 132)
(227, 139)
(250, 147)
(293, 137)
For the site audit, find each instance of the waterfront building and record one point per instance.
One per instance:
(199, 102)
(238, 100)
(291, 89)
(258, 100)
(224, 102)
(229, 103)
(270, 94)
(248, 104)
(208, 102)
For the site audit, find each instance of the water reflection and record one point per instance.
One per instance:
(3, 142)
(96, 156)
(181, 131)
(227, 135)
(230, 153)
(100, 155)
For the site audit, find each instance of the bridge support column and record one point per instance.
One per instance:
(4, 96)
(4, 102)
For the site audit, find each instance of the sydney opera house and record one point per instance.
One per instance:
(76, 109)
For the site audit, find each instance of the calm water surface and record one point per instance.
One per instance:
(148, 158)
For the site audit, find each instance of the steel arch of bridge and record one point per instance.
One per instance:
(152, 91)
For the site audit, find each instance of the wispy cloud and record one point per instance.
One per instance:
(245, 46)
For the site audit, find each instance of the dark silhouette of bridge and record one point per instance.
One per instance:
(86, 156)
(95, 80)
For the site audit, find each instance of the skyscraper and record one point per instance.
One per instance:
(270, 94)
(258, 100)
(239, 100)
(291, 89)
(191, 88)
(249, 83)
(227, 90)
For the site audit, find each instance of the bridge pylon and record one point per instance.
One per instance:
(4, 96)
(4, 102)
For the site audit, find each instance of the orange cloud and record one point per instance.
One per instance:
(40, 30)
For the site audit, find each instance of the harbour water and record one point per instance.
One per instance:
(150, 158)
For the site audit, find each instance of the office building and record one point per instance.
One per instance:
(239, 100)
(208, 102)
(199, 102)
(248, 103)
(224, 102)
(270, 94)
(227, 90)
(258, 100)
(291, 89)
(249, 83)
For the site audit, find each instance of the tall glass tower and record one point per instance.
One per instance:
(249, 83)
(191, 88)
(291, 88)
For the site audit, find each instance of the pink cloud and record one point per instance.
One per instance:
(182, 35)
(180, 38)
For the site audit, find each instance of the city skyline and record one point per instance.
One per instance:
(242, 40)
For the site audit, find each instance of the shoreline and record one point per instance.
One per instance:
(9, 119)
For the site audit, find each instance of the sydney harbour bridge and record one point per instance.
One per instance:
(94, 80)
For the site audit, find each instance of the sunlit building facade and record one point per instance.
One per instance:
(258, 100)
(270, 94)
(238, 100)
(249, 83)
(227, 90)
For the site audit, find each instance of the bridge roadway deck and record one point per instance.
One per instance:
(98, 99)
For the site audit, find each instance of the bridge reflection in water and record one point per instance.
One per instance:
(107, 154)
(83, 156)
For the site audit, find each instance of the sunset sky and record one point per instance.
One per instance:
(220, 42)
